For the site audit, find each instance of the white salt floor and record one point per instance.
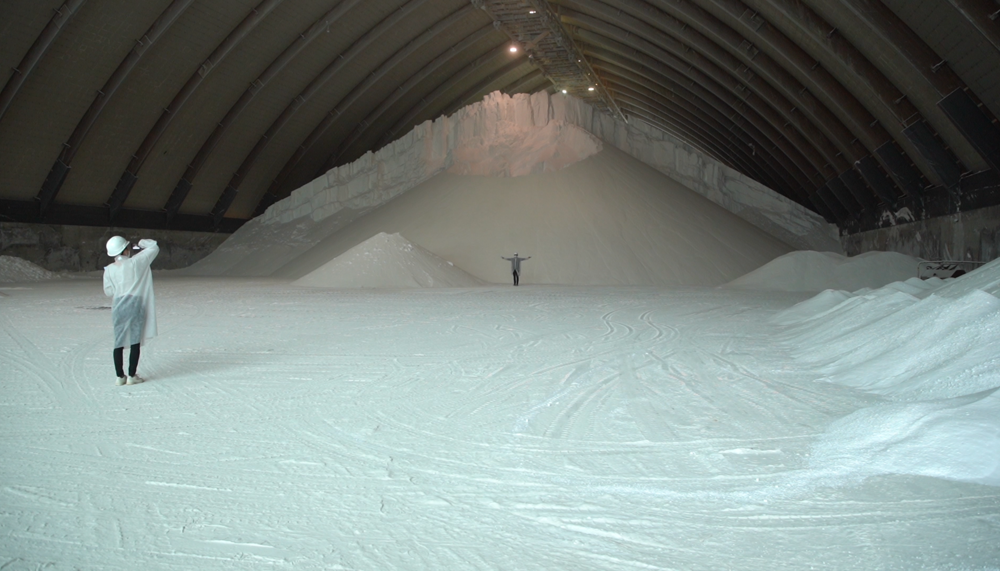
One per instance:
(539, 427)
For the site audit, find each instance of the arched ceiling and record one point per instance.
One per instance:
(197, 114)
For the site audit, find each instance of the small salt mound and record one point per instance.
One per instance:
(913, 286)
(387, 261)
(930, 346)
(841, 320)
(955, 439)
(14, 269)
(817, 271)
(811, 308)
(907, 349)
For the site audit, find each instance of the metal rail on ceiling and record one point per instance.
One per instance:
(536, 29)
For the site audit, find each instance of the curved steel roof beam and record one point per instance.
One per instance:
(358, 47)
(484, 87)
(714, 111)
(903, 39)
(721, 44)
(802, 67)
(834, 95)
(530, 83)
(934, 70)
(405, 88)
(272, 193)
(304, 39)
(429, 100)
(128, 178)
(36, 52)
(843, 51)
(823, 157)
(641, 111)
(748, 120)
(842, 55)
(768, 101)
(725, 101)
(57, 176)
(983, 14)
(739, 134)
(432, 100)
(735, 149)
(759, 69)
(676, 126)
(734, 154)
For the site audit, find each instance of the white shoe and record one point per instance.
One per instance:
(120, 381)
(135, 380)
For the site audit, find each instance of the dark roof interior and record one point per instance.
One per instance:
(197, 114)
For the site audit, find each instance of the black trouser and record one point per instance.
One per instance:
(133, 360)
(515, 277)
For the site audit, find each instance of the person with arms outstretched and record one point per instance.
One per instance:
(515, 266)
(129, 282)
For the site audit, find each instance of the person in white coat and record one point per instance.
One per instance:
(129, 282)
(515, 266)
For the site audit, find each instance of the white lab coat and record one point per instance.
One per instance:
(129, 282)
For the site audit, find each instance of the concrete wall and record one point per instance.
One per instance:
(971, 236)
(81, 248)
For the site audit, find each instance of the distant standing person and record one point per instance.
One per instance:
(515, 266)
(129, 282)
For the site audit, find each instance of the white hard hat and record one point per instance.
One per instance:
(116, 245)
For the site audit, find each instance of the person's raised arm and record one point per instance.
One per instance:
(149, 251)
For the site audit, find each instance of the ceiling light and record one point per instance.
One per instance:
(590, 89)
(564, 91)
(513, 49)
(531, 11)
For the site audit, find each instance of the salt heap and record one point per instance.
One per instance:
(817, 271)
(13, 269)
(930, 352)
(387, 261)
(511, 139)
(606, 220)
(519, 151)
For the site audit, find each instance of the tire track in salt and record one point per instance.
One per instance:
(490, 394)
(31, 362)
(74, 368)
(583, 409)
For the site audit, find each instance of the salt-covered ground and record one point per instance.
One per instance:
(538, 427)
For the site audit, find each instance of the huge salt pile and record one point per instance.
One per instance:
(587, 197)
(928, 352)
(387, 261)
(607, 220)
